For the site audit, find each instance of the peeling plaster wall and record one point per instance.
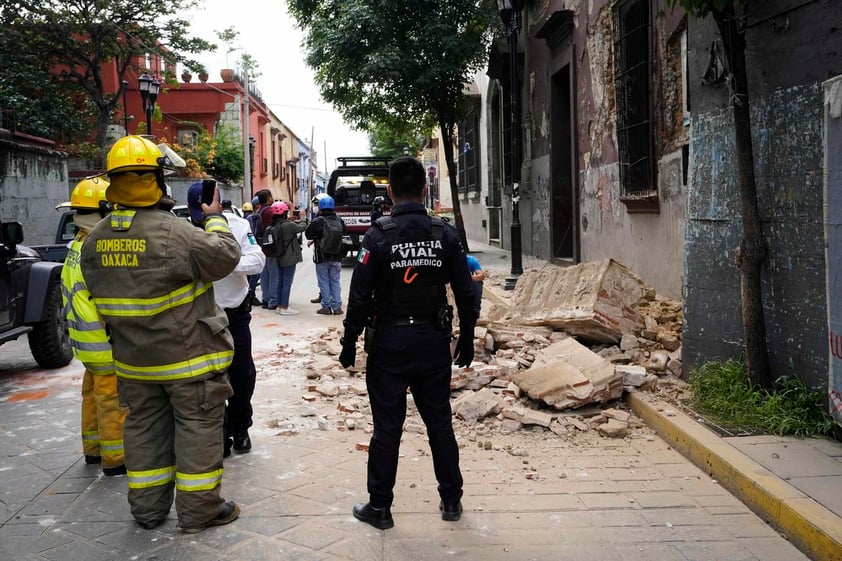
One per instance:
(652, 245)
(788, 151)
(33, 181)
(649, 244)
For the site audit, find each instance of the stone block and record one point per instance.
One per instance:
(596, 301)
(569, 375)
(633, 375)
(473, 406)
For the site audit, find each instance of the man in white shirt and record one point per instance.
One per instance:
(232, 295)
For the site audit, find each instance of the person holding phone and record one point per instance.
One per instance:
(233, 296)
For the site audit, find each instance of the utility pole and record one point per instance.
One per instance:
(246, 143)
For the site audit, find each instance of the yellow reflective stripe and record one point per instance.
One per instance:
(150, 477)
(151, 306)
(121, 220)
(111, 446)
(90, 347)
(214, 362)
(217, 224)
(90, 436)
(198, 481)
(100, 369)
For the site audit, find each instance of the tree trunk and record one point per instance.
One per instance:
(752, 252)
(447, 138)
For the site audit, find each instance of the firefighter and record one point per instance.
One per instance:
(398, 295)
(102, 420)
(151, 276)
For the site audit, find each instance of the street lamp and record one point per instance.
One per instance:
(149, 88)
(510, 14)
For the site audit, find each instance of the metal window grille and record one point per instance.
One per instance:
(632, 72)
(469, 152)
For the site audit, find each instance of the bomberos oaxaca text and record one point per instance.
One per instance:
(120, 252)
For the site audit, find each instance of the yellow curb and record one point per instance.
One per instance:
(811, 527)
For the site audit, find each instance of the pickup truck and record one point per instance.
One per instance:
(353, 185)
(65, 233)
(30, 300)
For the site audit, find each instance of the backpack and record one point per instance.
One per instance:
(272, 242)
(331, 241)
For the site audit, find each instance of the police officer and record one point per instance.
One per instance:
(398, 295)
(378, 208)
(232, 295)
(150, 276)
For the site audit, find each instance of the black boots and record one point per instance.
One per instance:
(451, 511)
(380, 518)
(242, 442)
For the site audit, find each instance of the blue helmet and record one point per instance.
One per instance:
(326, 203)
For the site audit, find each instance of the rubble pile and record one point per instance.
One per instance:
(554, 358)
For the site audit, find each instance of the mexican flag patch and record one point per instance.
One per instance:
(362, 256)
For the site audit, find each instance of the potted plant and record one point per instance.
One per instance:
(228, 36)
(203, 74)
(186, 76)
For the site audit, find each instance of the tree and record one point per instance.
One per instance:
(384, 61)
(219, 156)
(730, 18)
(75, 39)
(31, 100)
(391, 141)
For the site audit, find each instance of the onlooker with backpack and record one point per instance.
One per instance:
(287, 253)
(269, 276)
(326, 230)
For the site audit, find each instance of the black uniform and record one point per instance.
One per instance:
(399, 280)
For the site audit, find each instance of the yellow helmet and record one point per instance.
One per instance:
(247, 207)
(88, 193)
(133, 153)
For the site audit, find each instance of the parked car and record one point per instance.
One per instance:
(30, 300)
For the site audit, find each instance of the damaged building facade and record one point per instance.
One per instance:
(602, 150)
(792, 52)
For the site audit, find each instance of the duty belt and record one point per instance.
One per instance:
(409, 320)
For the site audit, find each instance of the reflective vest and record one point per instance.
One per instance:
(151, 277)
(87, 333)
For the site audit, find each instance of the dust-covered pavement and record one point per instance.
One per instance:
(528, 494)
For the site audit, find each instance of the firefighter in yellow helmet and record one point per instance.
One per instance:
(102, 420)
(151, 278)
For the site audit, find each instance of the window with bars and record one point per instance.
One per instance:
(468, 146)
(632, 72)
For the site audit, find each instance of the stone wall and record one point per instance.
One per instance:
(33, 180)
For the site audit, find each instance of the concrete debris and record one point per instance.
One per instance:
(614, 429)
(474, 406)
(527, 416)
(568, 375)
(530, 353)
(595, 301)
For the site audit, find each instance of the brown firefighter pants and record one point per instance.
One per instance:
(173, 437)
(102, 420)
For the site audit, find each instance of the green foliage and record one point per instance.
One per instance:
(722, 391)
(389, 141)
(219, 156)
(73, 41)
(32, 101)
(391, 59)
(229, 36)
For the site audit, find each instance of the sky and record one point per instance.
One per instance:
(269, 35)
